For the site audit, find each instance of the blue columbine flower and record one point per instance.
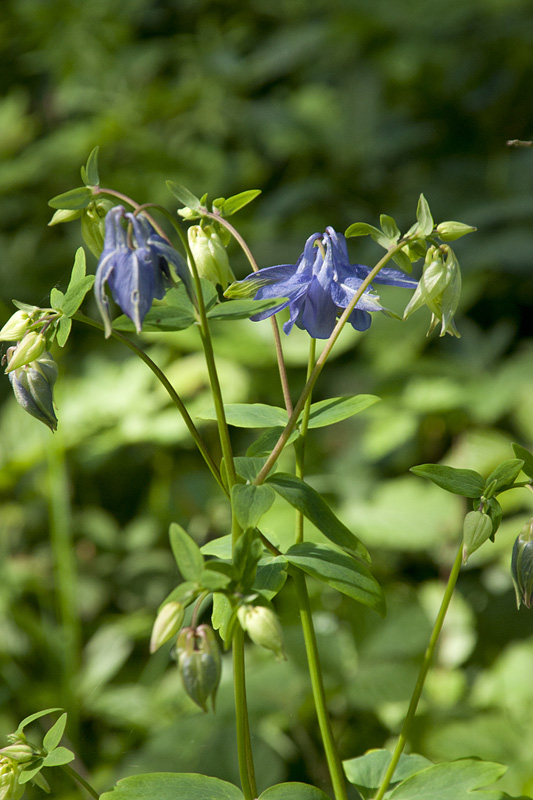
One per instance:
(136, 270)
(320, 283)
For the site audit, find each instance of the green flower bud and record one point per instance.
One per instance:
(20, 752)
(522, 565)
(476, 530)
(32, 387)
(199, 664)
(449, 231)
(93, 224)
(30, 348)
(439, 289)
(167, 623)
(210, 255)
(10, 789)
(16, 326)
(263, 628)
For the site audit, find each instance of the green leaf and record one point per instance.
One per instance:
(402, 260)
(172, 786)
(477, 528)
(237, 201)
(505, 474)
(159, 318)
(293, 791)
(216, 575)
(250, 502)
(73, 199)
(250, 415)
(33, 717)
(340, 571)
(29, 773)
(363, 229)
(270, 576)
(527, 458)
(64, 324)
(58, 756)
(247, 552)
(389, 227)
(248, 468)
(188, 557)
(313, 506)
(76, 294)
(465, 482)
(367, 772)
(79, 268)
(53, 736)
(423, 216)
(186, 593)
(64, 215)
(264, 444)
(455, 780)
(184, 195)
(223, 616)
(242, 309)
(91, 168)
(56, 299)
(327, 412)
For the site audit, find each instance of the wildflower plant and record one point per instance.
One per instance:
(189, 275)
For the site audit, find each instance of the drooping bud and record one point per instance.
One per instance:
(167, 623)
(32, 386)
(27, 350)
(16, 326)
(199, 664)
(522, 565)
(263, 628)
(439, 289)
(210, 255)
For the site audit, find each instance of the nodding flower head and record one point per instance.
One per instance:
(135, 266)
(319, 285)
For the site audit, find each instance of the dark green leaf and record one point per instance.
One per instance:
(54, 735)
(188, 557)
(264, 444)
(247, 552)
(527, 458)
(57, 757)
(184, 195)
(455, 780)
(159, 318)
(293, 791)
(477, 528)
(505, 474)
(402, 260)
(241, 309)
(73, 199)
(250, 502)
(270, 576)
(237, 201)
(172, 786)
(327, 412)
(248, 468)
(250, 415)
(340, 571)
(465, 482)
(313, 506)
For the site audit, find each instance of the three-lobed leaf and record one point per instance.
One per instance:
(54, 735)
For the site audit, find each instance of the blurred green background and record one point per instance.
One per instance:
(338, 111)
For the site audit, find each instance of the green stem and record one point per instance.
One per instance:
(426, 663)
(319, 694)
(299, 445)
(65, 574)
(321, 360)
(174, 396)
(76, 777)
(244, 745)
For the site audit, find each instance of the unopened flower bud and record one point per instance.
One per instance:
(93, 224)
(522, 565)
(210, 255)
(32, 386)
(16, 326)
(167, 623)
(30, 348)
(199, 664)
(450, 230)
(263, 628)
(20, 752)
(10, 788)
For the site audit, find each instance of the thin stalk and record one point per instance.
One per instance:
(77, 777)
(321, 360)
(426, 663)
(137, 206)
(319, 695)
(174, 396)
(299, 445)
(65, 574)
(244, 745)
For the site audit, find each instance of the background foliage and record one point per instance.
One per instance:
(338, 111)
